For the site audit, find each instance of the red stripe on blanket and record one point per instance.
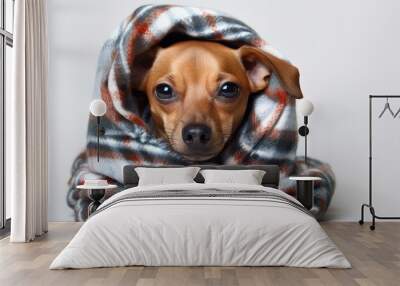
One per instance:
(287, 135)
(212, 22)
(291, 191)
(239, 156)
(111, 113)
(130, 53)
(132, 157)
(143, 28)
(282, 96)
(92, 153)
(140, 29)
(126, 140)
(259, 43)
(136, 120)
(285, 169)
(262, 131)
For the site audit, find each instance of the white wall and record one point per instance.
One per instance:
(345, 50)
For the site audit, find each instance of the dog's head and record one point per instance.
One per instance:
(198, 92)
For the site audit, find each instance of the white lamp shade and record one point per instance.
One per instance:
(98, 107)
(305, 107)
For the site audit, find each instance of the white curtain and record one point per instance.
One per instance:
(26, 123)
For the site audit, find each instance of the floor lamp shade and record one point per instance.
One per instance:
(98, 107)
(305, 107)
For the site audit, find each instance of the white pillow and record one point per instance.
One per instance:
(248, 177)
(163, 176)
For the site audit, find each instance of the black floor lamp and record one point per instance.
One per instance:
(305, 184)
(98, 108)
(305, 108)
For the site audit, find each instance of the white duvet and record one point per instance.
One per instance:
(207, 230)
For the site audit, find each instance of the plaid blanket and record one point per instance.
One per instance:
(268, 134)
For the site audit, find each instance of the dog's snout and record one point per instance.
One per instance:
(196, 136)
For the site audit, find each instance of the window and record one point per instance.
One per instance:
(6, 44)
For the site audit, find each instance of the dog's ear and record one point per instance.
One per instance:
(259, 66)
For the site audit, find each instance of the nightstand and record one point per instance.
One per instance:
(96, 194)
(305, 190)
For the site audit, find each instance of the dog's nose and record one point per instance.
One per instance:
(196, 136)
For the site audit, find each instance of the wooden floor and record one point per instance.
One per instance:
(375, 257)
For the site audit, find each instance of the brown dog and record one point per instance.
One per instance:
(198, 92)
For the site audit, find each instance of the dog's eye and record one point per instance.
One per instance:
(164, 92)
(229, 90)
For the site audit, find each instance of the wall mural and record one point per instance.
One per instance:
(185, 85)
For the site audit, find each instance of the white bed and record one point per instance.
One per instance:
(223, 225)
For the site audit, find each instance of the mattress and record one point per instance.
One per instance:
(201, 225)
